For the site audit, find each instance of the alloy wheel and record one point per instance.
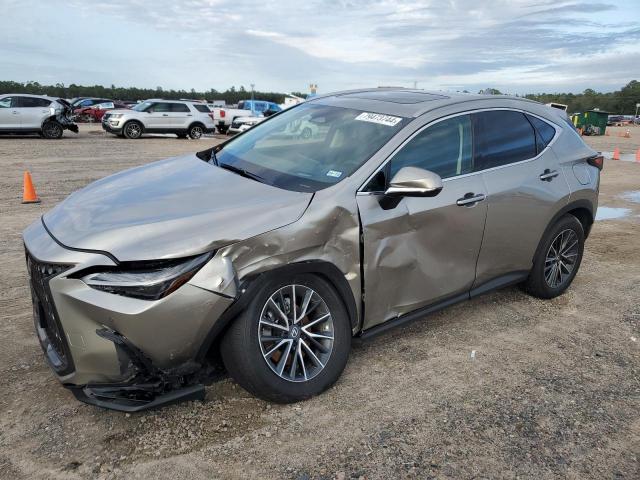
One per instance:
(196, 132)
(52, 130)
(296, 333)
(561, 258)
(133, 130)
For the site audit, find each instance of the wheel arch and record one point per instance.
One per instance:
(581, 209)
(249, 286)
(135, 120)
(196, 122)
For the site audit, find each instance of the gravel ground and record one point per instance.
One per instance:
(503, 386)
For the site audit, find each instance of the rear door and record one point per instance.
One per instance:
(525, 189)
(180, 116)
(418, 251)
(9, 114)
(33, 111)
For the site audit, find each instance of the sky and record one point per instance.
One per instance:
(515, 46)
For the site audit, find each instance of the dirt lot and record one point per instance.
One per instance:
(553, 389)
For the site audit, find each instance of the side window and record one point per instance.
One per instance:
(179, 107)
(504, 137)
(160, 107)
(202, 108)
(241, 106)
(5, 102)
(444, 148)
(31, 102)
(544, 132)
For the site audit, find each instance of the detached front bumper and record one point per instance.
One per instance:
(114, 126)
(98, 343)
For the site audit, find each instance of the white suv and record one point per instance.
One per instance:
(46, 116)
(160, 116)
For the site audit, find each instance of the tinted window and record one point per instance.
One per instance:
(544, 132)
(179, 107)
(504, 137)
(5, 102)
(202, 108)
(444, 148)
(28, 102)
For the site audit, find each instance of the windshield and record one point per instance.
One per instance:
(309, 147)
(141, 107)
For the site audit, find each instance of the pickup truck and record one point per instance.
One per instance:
(224, 117)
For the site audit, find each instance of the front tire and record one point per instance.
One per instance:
(52, 130)
(132, 130)
(291, 342)
(558, 259)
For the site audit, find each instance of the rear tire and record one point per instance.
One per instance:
(311, 357)
(222, 130)
(132, 130)
(558, 259)
(196, 131)
(52, 130)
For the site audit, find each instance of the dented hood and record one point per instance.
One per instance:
(169, 209)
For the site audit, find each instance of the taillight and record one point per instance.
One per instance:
(596, 161)
(222, 113)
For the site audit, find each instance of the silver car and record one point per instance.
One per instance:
(264, 256)
(182, 118)
(21, 113)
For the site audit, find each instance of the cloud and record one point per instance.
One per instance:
(285, 45)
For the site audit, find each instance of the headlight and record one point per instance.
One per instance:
(148, 280)
(115, 115)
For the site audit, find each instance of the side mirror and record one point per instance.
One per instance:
(414, 182)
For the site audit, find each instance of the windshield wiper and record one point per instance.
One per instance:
(213, 158)
(242, 172)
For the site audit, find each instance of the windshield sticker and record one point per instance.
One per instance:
(378, 118)
(334, 173)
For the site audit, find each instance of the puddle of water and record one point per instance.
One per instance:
(632, 196)
(609, 213)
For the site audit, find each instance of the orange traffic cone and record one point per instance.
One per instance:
(638, 155)
(29, 192)
(616, 154)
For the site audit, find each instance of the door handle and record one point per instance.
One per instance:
(548, 175)
(189, 115)
(470, 199)
(165, 114)
(15, 113)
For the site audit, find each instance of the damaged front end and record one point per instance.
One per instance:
(148, 386)
(64, 116)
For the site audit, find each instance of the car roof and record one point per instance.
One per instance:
(404, 102)
(28, 95)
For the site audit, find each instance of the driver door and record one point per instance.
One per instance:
(419, 251)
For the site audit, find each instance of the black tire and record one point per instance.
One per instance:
(132, 130)
(196, 131)
(538, 283)
(52, 130)
(222, 130)
(242, 351)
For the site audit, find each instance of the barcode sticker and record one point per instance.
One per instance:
(379, 118)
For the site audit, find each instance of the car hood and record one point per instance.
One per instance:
(169, 209)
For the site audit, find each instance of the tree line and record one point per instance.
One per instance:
(621, 101)
(231, 95)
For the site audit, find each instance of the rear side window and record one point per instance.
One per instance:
(159, 107)
(5, 102)
(30, 102)
(202, 108)
(544, 132)
(503, 137)
(444, 148)
(179, 107)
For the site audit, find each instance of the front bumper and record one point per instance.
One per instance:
(161, 338)
(108, 127)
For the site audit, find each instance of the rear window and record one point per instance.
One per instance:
(202, 108)
(504, 137)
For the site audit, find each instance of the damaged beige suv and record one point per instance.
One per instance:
(264, 256)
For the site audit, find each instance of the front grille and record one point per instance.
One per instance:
(48, 327)
(105, 117)
(236, 125)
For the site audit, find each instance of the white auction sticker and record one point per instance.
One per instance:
(379, 118)
(334, 174)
